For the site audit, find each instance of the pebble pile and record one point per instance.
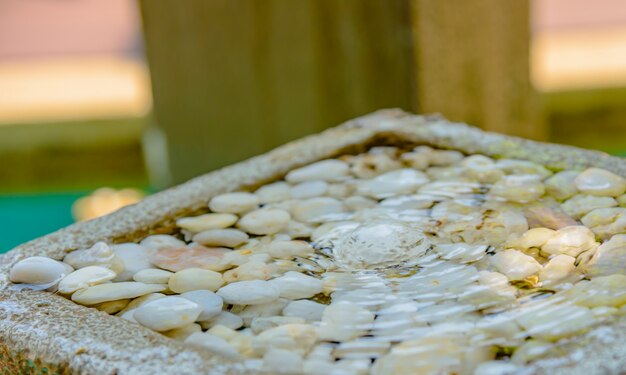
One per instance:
(421, 261)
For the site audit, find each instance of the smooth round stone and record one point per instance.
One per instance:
(114, 291)
(519, 188)
(234, 203)
(229, 237)
(226, 319)
(253, 292)
(134, 257)
(252, 270)
(99, 254)
(193, 256)
(113, 307)
(140, 301)
(561, 185)
(263, 323)
(296, 285)
(272, 308)
(581, 204)
(264, 221)
(596, 181)
(38, 271)
(558, 268)
(274, 192)
(317, 209)
(195, 279)
(85, 277)
(535, 237)
(553, 321)
(515, 264)
(309, 189)
(610, 258)
(210, 302)
(161, 241)
(213, 344)
(570, 241)
(289, 249)
(278, 361)
(152, 276)
(327, 170)
(308, 310)
(167, 313)
(204, 222)
(402, 181)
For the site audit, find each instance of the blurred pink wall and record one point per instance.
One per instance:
(46, 28)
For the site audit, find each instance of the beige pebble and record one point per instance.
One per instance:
(298, 338)
(194, 279)
(204, 222)
(561, 185)
(167, 313)
(152, 276)
(596, 181)
(38, 271)
(570, 241)
(114, 291)
(327, 170)
(274, 192)
(248, 271)
(229, 237)
(193, 256)
(234, 203)
(263, 323)
(161, 241)
(344, 321)
(518, 188)
(85, 277)
(289, 249)
(183, 332)
(100, 254)
(264, 221)
(515, 264)
(317, 209)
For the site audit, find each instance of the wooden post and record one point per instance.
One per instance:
(472, 59)
(234, 78)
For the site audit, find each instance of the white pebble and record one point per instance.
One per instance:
(134, 257)
(274, 192)
(317, 209)
(161, 241)
(328, 170)
(229, 237)
(308, 310)
(194, 279)
(515, 264)
(298, 338)
(557, 269)
(264, 221)
(519, 188)
(234, 203)
(167, 313)
(85, 277)
(248, 271)
(153, 276)
(309, 189)
(571, 241)
(210, 302)
(253, 292)
(289, 249)
(99, 254)
(204, 222)
(402, 181)
(226, 319)
(296, 285)
(596, 181)
(183, 332)
(38, 271)
(114, 291)
(265, 309)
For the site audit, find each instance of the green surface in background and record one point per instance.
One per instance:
(25, 217)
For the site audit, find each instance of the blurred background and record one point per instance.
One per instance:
(102, 102)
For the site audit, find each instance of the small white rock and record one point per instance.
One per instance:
(210, 302)
(327, 170)
(38, 271)
(519, 188)
(152, 276)
(596, 181)
(248, 271)
(194, 279)
(401, 181)
(161, 241)
(229, 237)
(289, 249)
(134, 257)
(296, 285)
(252, 292)
(274, 192)
(263, 323)
(558, 268)
(99, 254)
(114, 291)
(279, 361)
(317, 209)
(234, 203)
(515, 264)
(197, 224)
(571, 241)
(226, 319)
(309, 189)
(264, 221)
(85, 277)
(298, 338)
(167, 313)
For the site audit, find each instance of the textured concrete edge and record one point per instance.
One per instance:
(48, 331)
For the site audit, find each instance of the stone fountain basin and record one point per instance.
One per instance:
(42, 332)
